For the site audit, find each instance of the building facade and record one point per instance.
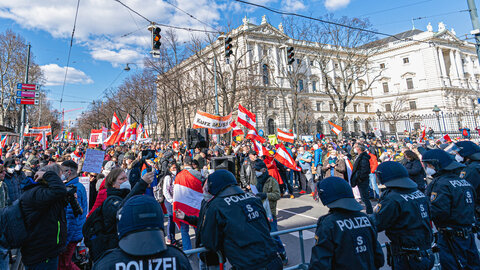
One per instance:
(408, 75)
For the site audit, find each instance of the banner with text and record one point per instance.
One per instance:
(35, 131)
(215, 124)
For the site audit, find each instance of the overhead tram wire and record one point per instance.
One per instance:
(394, 8)
(424, 17)
(69, 53)
(190, 15)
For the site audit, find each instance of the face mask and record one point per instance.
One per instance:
(18, 167)
(458, 158)
(63, 177)
(429, 171)
(126, 185)
(355, 151)
(10, 170)
(173, 172)
(258, 174)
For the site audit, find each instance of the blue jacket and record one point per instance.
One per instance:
(75, 224)
(13, 186)
(317, 157)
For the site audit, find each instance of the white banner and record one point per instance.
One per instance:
(216, 124)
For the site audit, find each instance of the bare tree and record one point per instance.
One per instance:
(396, 113)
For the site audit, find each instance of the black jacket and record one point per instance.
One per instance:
(43, 207)
(361, 169)
(471, 173)
(404, 215)
(117, 259)
(346, 240)
(416, 173)
(236, 224)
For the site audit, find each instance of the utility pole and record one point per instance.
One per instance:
(476, 25)
(23, 117)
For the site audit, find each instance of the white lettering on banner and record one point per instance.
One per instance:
(169, 263)
(460, 183)
(356, 223)
(237, 198)
(412, 196)
(215, 124)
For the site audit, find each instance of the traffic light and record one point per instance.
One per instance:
(156, 38)
(228, 47)
(290, 54)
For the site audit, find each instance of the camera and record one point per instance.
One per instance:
(72, 200)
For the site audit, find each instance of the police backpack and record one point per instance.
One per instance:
(13, 225)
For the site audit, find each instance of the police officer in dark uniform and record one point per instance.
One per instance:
(235, 223)
(452, 211)
(345, 237)
(403, 212)
(142, 240)
(470, 155)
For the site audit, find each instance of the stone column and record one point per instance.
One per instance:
(443, 70)
(454, 68)
(461, 72)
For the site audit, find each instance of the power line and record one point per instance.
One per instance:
(134, 31)
(69, 52)
(423, 17)
(190, 15)
(394, 8)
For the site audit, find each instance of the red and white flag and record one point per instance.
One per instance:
(246, 118)
(252, 135)
(216, 124)
(236, 131)
(260, 149)
(424, 135)
(120, 137)
(42, 138)
(446, 139)
(284, 157)
(140, 132)
(111, 140)
(187, 195)
(131, 133)
(285, 136)
(115, 122)
(335, 128)
(57, 138)
(3, 142)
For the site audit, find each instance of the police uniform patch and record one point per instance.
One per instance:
(316, 239)
(462, 174)
(377, 208)
(433, 196)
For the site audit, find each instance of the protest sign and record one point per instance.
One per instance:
(93, 161)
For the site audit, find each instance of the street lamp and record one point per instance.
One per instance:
(437, 111)
(379, 113)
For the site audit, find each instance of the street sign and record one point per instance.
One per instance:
(26, 86)
(29, 94)
(27, 101)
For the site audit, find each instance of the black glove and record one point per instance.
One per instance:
(261, 195)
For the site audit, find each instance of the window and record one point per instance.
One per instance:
(271, 103)
(385, 87)
(331, 107)
(366, 108)
(355, 107)
(271, 126)
(336, 65)
(265, 74)
(311, 62)
(406, 60)
(382, 65)
(300, 85)
(319, 106)
(409, 83)
(299, 61)
(388, 107)
(413, 105)
(314, 86)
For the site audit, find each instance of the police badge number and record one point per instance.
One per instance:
(433, 196)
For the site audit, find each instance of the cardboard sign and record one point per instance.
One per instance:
(85, 181)
(272, 139)
(93, 161)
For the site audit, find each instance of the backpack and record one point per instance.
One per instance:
(158, 189)
(97, 237)
(13, 225)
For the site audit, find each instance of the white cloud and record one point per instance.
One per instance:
(293, 5)
(336, 4)
(120, 57)
(55, 74)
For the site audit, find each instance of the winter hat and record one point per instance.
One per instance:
(219, 180)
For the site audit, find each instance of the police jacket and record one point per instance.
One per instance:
(170, 259)
(451, 200)
(346, 240)
(404, 214)
(43, 208)
(471, 173)
(236, 224)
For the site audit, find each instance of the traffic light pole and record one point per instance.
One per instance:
(23, 117)
(216, 90)
(476, 25)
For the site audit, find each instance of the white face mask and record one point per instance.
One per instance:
(355, 151)
(126, 185)
(18, 167)
(10, 170)
(63, 177)
(429, 171)
(173, 172)
(258, 174)
(458, 158)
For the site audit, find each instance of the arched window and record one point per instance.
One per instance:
(265, 74)
(356, 126)
(271, 126)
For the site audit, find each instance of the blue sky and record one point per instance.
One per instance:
(99, 52)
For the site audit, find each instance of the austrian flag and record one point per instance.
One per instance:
(285, 136)
(335, 128)
(246, 118)
(284, 157)
(236, 131)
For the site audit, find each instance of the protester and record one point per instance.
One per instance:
(415, 170)
(4, 202)
(361, 175)
(168, 184)
(247, 173)
(334, 166)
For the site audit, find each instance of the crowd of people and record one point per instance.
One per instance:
(146, 193)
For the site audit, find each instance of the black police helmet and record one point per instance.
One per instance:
(469, 150)
(441, 160)
(335, 192)
(394, 174)
(219, 180)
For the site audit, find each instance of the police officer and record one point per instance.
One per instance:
(469, 154)
(142, 240)
(345, 238)
(236, 224)
(403, 212)
(452, 210)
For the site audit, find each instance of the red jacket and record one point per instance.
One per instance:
(373, 163)
(101, 197)
(272, 169)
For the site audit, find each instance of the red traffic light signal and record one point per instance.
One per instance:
(156, 38)
(228, 47)
(290, 55)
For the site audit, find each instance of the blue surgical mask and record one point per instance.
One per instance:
(258, 174)
(126, 185)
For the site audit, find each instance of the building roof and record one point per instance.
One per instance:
(393, 38)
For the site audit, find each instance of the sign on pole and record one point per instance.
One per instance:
(27, 86)
(93, 161)
(28, 94)
(27, 101)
